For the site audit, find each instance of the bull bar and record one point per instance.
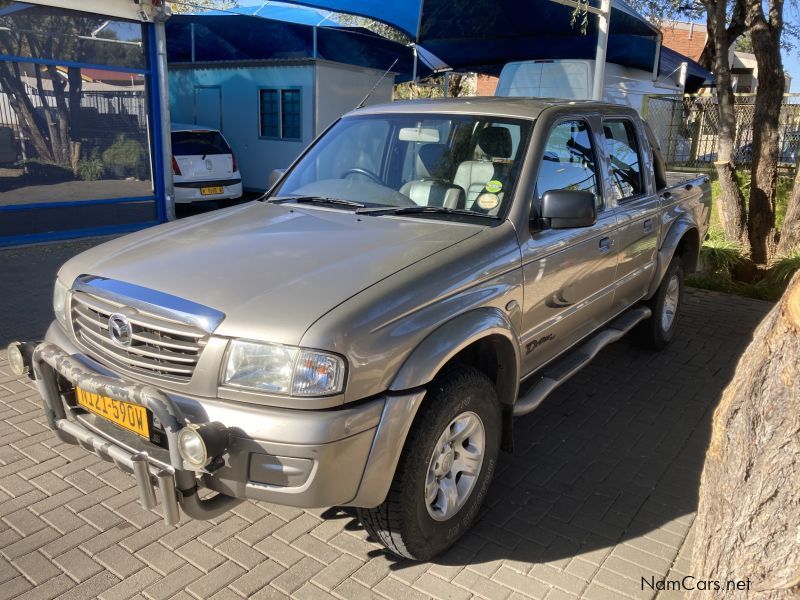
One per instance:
(176, 484)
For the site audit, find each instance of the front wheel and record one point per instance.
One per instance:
(445, 469)
(657, 331)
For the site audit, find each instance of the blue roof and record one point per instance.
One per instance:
(696, 76)
(227, 37)
(483, 36)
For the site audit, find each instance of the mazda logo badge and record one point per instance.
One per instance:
(119, 330)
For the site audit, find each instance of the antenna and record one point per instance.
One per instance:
(377, 83)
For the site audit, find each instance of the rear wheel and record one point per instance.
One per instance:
(657, 331)
(445, 470)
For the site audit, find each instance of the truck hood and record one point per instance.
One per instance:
(273, 270)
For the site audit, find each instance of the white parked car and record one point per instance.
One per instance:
(203, 165)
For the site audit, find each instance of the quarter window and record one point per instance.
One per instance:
(281, 113)
(625, 168)
(569, 161)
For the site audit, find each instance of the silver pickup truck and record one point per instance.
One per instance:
(365, 333)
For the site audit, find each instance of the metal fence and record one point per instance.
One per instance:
(687, 128)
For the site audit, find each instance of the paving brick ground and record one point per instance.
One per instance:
(601, 491)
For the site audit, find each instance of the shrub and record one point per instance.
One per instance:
(785, 267)
(125, 155)
(718, 255)
(90, 169)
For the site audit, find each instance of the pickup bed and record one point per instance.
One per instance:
(365, 333)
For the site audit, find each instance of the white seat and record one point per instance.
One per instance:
(493, 145)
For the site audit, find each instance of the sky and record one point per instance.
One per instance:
(791, 60)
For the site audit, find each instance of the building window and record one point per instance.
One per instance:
(281, 113)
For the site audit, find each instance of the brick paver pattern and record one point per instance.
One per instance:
(600, 492)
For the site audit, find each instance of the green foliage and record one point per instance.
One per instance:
(126, 157)
(785, 267)
(196, 6)
(720, 256)
(744, 43)
(762, 289)
(90, 169)
(782, 196)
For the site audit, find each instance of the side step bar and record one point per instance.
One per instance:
(565, 367)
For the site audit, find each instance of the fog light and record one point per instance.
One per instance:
(198, 445)
(16, 359)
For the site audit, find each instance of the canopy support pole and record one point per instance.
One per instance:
(414, 72)
(603, 22)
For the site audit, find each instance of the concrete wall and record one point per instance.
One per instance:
(340, 88)
(238, 87)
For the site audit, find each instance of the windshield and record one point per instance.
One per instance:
(452, 164)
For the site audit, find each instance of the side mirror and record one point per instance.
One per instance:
(565, 209)
(275, 175)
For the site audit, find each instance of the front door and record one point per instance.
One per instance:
(568, 273)
(208, 107)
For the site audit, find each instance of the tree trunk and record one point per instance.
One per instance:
(731, 208)
(790, 231)
(36, 130)
(766, 36)
(747, 521)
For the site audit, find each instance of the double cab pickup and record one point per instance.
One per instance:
(364, 334)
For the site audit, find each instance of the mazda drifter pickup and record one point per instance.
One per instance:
(364, 334)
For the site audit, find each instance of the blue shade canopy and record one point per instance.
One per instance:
(483, 35)
(696, 76)
(227, 38)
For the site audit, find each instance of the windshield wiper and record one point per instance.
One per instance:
(416, 210)
(316, 200)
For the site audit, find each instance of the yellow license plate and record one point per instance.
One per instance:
(208, 191)
(130, 416)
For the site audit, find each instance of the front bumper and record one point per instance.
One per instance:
(324, 458)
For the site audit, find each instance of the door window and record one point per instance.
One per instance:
(625, 169)
(569, 161)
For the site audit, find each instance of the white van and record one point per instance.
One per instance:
(574, 79)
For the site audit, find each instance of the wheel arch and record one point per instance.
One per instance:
(682, 239)
(483, 338)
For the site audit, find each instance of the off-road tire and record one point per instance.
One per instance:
(402, 523)
(651, 333)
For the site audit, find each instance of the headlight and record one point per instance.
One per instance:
(285, 370)
(60, 302)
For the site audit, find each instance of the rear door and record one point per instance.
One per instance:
(637, 209)
(568, 273)
(202, 155)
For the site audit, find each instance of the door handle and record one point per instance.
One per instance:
(648, 225)
(605, 244)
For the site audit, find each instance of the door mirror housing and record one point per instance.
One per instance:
(565, 209)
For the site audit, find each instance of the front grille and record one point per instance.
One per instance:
(159, 346)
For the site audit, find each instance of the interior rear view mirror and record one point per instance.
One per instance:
(419, 134)
(564, 209)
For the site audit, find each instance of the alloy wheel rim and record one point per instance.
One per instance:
(671, 299)
(454, 466)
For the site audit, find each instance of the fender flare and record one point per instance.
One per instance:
(682, 226)
(428, 358)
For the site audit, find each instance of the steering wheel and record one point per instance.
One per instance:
(359, 171)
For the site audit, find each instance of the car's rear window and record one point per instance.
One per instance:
(198, 142)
